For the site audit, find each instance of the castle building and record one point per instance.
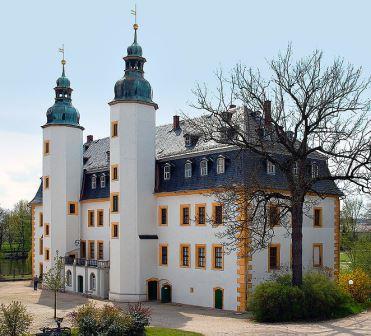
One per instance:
(128, 213)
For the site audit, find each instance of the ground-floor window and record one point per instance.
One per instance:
(69, 278)
(273, 257)
(92, 281)
(317, 255)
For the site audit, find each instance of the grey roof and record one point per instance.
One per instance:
(95, 155)
(38, 199)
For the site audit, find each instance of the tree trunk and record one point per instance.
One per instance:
(297, 240)
(55, 304)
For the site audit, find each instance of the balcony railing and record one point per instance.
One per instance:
(86, 262)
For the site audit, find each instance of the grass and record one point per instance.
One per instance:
(154, 331)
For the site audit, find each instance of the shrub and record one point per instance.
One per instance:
(360, 290)
(141, 317)
(86, 318)
(14, 319)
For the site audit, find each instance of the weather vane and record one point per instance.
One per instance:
(61, 50)
(134, 12)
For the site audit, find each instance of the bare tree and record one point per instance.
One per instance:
(319, 114)
(351, 213)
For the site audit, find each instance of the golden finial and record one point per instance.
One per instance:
(63, 61)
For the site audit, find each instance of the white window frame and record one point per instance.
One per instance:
(103, 181)
(315, 170)
(94, 182)
(271, 168)
(204, 167)
(188, 169)
(220, 165)
(167, 172)
(92, 282)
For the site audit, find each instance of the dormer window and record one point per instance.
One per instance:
(188, 140)
(167, 173)
(103, 181)
(204, 167)
(188, 169)
(93, 182)
(271, 168)
(315, 170)
(220, 165)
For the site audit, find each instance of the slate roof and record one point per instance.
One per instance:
(38, 199)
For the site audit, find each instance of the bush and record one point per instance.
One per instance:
(360, 290)
(140, 316)
(318, 298)
(14, 319)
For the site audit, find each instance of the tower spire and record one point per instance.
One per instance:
(135, 25)
(63, 61)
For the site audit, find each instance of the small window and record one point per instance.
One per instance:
(114, 173)
(218, 257)
(185, 258)
(114, 230)
(315, 170)
(188, 140)
(46, 147)
(220, 165)
(163, 254)
(46, 182)
(217, 214)
(46, 230)
(100, 250)
(185, 214)
(83, 249)
(114, 129)
(92, 281)
(103, 181)
(167, 172)
(317, 255)
(203, 167)
(72, 208)
(47, 254)
(41, 219)
(69, 278)
(91, 247)
(271, 168)
(90, 218)
(201, 256)
(93, 182)
(200, 214)
(274, 257)
(317, 220)
(274, 216)
(100, 217)
(41, 246)
(295, 169)
(188, 169)
(115, 202)
(162, 215)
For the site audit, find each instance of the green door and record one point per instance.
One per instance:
(165, 294)
(80, 284)
(152, 290)
(218, 299)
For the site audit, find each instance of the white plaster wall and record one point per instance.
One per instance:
(182, 279)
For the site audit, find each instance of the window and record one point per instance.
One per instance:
(274, 216)
(46, 182)
(217, 214)
(83, 249)
(92, 281)
(201, 256)
(103, 181)
(295, 169)
(114, 230)
(200, 214)
(115, 202)
(317, 255)
(315, 170)
(203, 167)
(46, 230)
(188, 140)
(162, 215)
(188, 169)
(69, 278)
(114, 172)
(91, 249)
(185, 257)
(167, 173)
(100, 250)
(185, 214)
(72, 208)
(46, 147)
(317, 217)
(93, 182)
(47, 254)
(41, 219)
(271, 168)
(220, 165)
(100, 217)
(114, 128)
(218, 262)
(273, 257)
(163, 258)
(90, 218)
(41, 246)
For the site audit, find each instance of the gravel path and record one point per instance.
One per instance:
(210, 322)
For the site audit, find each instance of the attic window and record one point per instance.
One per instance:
(167, 173)
(315, 170)
(271, 168)
(203, 167)
(188, 169)
(188, 140)
(220, 165)
(103, 181)
(93, 182)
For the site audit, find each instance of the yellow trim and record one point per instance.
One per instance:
(159, 215)
(76, 208)
(46, 254)
(160, 254)
(91, 219)
(46, 182)
(278, 258)
(113, 124)
(89, 249)
(320, 217)
(113, 167)
(197, 207)
(158, 287)
(41, 246)
(46, 229)
(181, 255)
(83, 242)
(46, 147)
(33, 252)
(197, 246)
(181, 215)
(271, 207)
(96, 200)
(213, 247)
(320, 246)
(337, 238)
(115, 224)
(41, 268)
(100, 242)
(41, 219)
(98, 212)
(213, 214)
(214, 290)
(118, 202)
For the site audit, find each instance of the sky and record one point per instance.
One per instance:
(184, 42)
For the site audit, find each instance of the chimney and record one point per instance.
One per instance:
(267, 110)
(89, 138)
(175, 122)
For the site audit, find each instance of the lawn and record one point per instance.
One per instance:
(154, 331)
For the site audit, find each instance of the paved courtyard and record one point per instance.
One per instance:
(206, 321)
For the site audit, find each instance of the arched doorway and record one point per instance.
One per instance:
(152, 290)
(218, 298)
(166, 293)
(80, 284)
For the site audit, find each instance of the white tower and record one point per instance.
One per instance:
(62, 170)
(132, 155)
